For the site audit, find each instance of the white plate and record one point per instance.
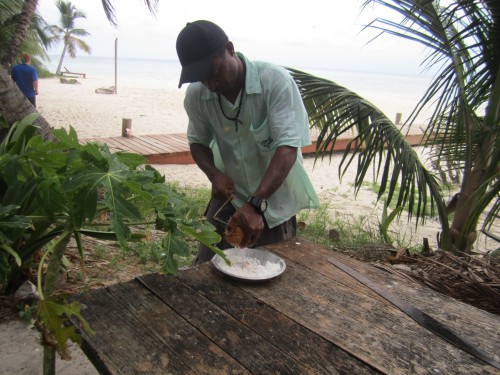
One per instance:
(250, 264)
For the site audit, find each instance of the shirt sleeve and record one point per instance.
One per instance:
(287, 116)
(198, 127)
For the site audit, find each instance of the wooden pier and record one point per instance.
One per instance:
(174, 148)
(158, 149)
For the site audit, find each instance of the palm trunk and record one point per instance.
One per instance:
(463, 229)
(58, 71)
(14, 106)
(463, 240)
(29, 9)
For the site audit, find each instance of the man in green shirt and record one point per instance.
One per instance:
(247, 124)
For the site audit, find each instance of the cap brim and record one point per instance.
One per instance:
(197, 71)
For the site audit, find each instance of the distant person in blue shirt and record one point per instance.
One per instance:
(247, 124)
(26, 78)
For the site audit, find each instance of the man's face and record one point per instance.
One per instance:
(223, 73)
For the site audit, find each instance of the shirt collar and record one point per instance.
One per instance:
(252, 81)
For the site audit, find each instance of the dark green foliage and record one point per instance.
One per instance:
(63, 189)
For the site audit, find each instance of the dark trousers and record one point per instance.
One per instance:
(284, 231)
(33, 101)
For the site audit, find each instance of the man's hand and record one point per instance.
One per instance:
(222, 187)
(250, 221)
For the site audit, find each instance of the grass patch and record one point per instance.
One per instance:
(375, 187)
(343, 232)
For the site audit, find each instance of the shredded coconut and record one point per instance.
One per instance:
(247, 267)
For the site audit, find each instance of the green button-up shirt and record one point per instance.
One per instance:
(272, 115)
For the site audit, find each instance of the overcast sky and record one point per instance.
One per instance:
(305, 34)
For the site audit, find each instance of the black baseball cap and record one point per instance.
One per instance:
(196, 45)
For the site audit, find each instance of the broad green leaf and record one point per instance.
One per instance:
(51, 196)
(55, 317)
(206, 237)
(130, 159)
(67, 139)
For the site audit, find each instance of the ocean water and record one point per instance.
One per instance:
(391, 93)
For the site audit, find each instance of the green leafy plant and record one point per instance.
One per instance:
(53, 192)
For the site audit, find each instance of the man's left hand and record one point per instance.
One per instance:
(250, 221)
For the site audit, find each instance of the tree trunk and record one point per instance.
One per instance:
(29, 9)
(14, 106)
(467, 199)
(58, 71)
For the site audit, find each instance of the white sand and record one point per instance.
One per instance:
(155, 111)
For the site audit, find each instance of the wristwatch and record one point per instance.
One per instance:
(258, 203)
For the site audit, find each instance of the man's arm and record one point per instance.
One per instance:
(281, 164)
(246, 216)
(35, 86)
(222, 186)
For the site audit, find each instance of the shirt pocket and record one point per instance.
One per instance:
(262, 136)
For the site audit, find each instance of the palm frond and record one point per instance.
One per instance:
(79, 32)
(109, 9)
(463, 36)
(377, 142)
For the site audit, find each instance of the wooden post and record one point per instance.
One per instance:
(398, 118)
(126, 126)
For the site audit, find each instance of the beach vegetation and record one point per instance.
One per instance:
(17, 18)
(52, 193)
(357, 235)
(68, 32)
(462, 135)
(21, 30)
(35, 42)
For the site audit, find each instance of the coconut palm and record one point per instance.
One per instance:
(13, 104)
(22, 25)
(68, 33)
(463, 37)
(36, 41)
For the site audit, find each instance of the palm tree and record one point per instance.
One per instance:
(67, 31)
(36, 41)
(14, 35)
(22, 26)
(463, 37)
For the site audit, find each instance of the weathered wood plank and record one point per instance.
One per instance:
(123, 144)
(313, 351)
(197, 351)
(372, 330)
(168, 145)
(254, 352)
(136, 143)
(124, 344)
(478, 326)
(177, 139)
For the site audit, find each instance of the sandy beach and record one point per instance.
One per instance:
(155, 111)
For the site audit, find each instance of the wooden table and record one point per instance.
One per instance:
(313, 319)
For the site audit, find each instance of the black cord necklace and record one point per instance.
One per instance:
(240, 104)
